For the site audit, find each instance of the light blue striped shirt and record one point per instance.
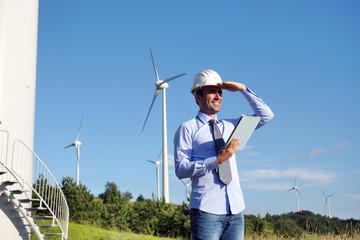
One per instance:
(195, 158)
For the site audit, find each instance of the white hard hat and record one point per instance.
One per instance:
(205, 78)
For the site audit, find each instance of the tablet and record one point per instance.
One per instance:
(244, 129)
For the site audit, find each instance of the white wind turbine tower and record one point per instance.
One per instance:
(77, 145)
(157, 163)
(187, 190)
(162, 85)
(296, 193)
(327, 202)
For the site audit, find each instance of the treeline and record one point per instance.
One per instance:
(114, 210)
(298, 223)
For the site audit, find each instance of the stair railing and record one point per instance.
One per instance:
(27, 165)
(44, 184)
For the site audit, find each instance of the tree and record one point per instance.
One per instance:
(78, 198)
(127, 195)
(111, 194)
(140, 198)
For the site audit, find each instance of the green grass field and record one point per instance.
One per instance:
(87, 232)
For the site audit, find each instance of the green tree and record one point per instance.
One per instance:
(127, 195)
(140, 198)
(116, 207)
(111, 194)
(79, 199)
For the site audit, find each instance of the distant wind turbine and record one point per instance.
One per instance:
(187, 190)
(327, 203)
(162, 85)
(296, 193)
(77, 145)
(157, 163)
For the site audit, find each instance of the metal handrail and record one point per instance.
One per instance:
(41, 181)
(44, 184)
(4, 134)
(4, 142)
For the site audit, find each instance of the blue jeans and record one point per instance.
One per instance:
(207, 226)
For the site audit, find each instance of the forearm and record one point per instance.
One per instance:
(186, 164)
(259, 107)
(184, 168)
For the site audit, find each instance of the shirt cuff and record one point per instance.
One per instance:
(211, 163)
(248, 93)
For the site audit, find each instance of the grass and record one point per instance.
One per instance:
(306, 237)
(88, 232)
(85, 232)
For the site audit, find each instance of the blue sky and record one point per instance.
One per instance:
(301, 57)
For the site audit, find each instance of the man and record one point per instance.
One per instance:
(216, 208)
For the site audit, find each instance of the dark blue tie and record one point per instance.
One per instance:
(224, 168)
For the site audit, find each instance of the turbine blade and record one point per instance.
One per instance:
(159, 155)
(298, 193)
(152, 58)
(70, 145)
(151, 161)
(290, 189)
(331, 195)
(152, 103)
(80, 127)
(172, 78)
(323, 194)
(295, 180)
(183, 182)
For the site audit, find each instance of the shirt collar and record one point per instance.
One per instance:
(205, 118)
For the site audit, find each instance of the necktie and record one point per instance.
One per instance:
(224, 168)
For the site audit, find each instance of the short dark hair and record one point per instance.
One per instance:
(200, 91)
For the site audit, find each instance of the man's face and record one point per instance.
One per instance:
(210, 101)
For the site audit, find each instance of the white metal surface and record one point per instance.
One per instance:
(18, 49)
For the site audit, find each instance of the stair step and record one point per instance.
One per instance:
(50, 234)
(42, 217)
(48, 226)
(27, 200)
(9, 183)
(19, 191)
(33, 209)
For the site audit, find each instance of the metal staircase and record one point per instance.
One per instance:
(40, 201)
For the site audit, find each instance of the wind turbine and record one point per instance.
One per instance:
(296, 193)
(162, 85)
(327, 202)
(157, 163)
(187, 190)
(77, 145)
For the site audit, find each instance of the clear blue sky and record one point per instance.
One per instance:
(301, 57)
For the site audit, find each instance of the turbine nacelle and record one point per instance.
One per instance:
(161, 84)
(157, 163)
